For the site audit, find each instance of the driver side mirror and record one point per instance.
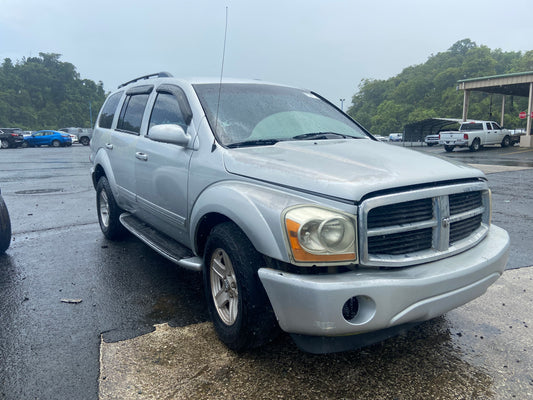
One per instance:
(169, 133)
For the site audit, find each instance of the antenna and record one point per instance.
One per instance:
(221, 74)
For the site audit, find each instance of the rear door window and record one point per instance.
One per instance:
(132, 112)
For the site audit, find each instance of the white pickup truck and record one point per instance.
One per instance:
(475, 134)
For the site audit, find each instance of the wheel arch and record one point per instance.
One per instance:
(254, 209)
(102, 167)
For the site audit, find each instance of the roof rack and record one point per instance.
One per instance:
(156, 75)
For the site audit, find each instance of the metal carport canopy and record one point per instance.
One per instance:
(417, 131)
(517, 84)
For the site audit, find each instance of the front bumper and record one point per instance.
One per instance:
(313, 304)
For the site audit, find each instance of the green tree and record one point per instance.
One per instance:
(430, 90)
(46, 93)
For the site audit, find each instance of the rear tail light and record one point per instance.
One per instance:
(465, 136)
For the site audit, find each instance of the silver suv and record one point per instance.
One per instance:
(297, 217)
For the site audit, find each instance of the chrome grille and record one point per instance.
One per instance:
(395, 214)
(418, 226)
(462, 229)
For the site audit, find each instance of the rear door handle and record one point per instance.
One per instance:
(109, 146)
(141, 156)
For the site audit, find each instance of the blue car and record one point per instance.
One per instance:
(47, 138)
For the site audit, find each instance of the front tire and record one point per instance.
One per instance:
(5, 227)
(238, 304)
(448, 149)
(84, 140)
(4, 144)
(108, 211)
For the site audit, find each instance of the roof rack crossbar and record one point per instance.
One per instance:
(156, 75)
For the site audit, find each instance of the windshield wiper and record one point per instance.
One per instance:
(320, 135)
(257, 142)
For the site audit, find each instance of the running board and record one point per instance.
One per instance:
(164, 245)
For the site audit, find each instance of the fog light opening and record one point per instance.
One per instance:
(359, 310)
(350, 309)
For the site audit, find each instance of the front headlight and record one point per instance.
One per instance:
(318, 235)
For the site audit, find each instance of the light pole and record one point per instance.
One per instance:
(342, 104)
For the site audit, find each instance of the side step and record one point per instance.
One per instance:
(161, 243)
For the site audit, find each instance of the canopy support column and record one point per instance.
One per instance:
(465, 104)
(503, 111)
(525, 141)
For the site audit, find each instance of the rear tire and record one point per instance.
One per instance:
(506, 142)
(448, 149)
(55, 143)
(108, 211)
(5, 227)
(84, 140)
(476, 145)
(238, 304)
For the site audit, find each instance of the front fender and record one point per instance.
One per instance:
(255, 209)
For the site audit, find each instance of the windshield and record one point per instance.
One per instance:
(259, 114)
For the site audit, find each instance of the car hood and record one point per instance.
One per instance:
(345, 169)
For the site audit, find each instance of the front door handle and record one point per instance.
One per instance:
(141, 156)
(109, 146)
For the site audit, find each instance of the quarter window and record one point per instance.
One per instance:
(108, 112)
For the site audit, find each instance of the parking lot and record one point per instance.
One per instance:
(86, 318)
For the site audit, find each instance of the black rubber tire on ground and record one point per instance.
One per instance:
(475, 146)
(55, 143)
(506, 142)
(85, 141)
(244, 318)
(108, 211)
(4, 144)
(449, 149)
(5, 227)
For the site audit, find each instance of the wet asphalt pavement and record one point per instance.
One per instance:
(51, 343)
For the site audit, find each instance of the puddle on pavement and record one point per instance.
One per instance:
(165, 309)
(479, 351)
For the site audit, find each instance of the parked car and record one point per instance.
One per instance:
(432, 140)
(11, 137)
(84, 134)
(395, 137)
(47, 138)
(5, 226)
(297, 218)
(475, 135)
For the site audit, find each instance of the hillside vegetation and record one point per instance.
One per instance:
(430, 90)
(45, 93)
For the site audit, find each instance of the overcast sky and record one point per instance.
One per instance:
(326, 46)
